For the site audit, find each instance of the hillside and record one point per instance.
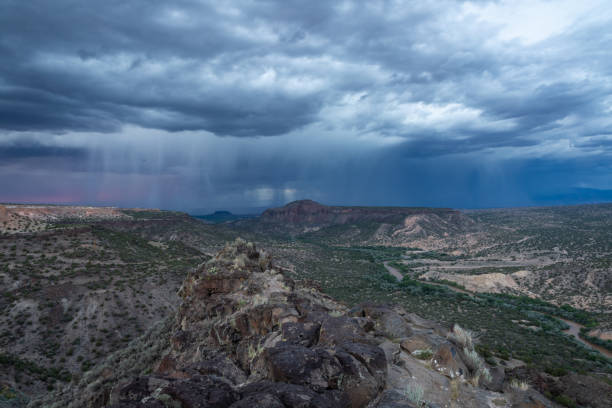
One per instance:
(247, 335)
(86, 291)
(15, 218)
(86, 284)
(559, 254)
(394, 226)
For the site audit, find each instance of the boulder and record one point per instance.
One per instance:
(497, 379)
(304, 334)
(220, 366)
(364, 372)
(393, 326)
(394, 399)
(343, 329)
(416, 342)
(295, 364)
(201, 392)
(135, 390)
(261, 399)
(448, 362)
(291, 395)
(586, 390)
(391, 350)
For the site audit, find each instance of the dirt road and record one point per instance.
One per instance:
(574, 330)
(393, 271)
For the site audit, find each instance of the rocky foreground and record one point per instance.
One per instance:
(245, 335)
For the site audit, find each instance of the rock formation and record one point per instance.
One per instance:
(246, 335)
(311, 213)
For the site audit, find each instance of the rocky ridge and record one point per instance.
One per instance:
(308, 212)
(389, 226)
(246, 335)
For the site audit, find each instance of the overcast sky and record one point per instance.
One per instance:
(240, 105)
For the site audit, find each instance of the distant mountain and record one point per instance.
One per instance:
(394, 226)
(576, 196)
(19, 218)
(308, 212)
(222, 216)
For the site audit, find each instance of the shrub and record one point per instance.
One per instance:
(476, 365)
(414, 393)
(519, 385)
(556, 371)
(472, 359)
(423, 354)
(461, 336)
(481, 373)
(565, 401)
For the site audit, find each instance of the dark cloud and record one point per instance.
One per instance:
(95, 66)
(22, 150)
(439, 146)
(359, 101)
(251, 69)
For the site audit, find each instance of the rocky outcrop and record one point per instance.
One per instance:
(582, 390)
(245, 335)
(308, 212)
(240, 311)
(427, 228)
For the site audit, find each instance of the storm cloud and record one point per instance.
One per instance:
(244, 104)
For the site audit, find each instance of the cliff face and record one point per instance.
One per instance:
(308, 212)
(389, 226)
(245, 335)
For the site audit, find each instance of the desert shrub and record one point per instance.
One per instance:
(461, 337)
(423, 354)
(484, 373)
(519, 385)
(565, 401)
(584, 333)
(556, 371)
(135, 359)
(476, 365)
(414, 393)
(472, 359)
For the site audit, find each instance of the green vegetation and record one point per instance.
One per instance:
(373, 253)
(110, 279)
(414, 393)
(448, 283)
(440, 256)
(607, 344)
(354, 276)
(26, 366)
(564, 400)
